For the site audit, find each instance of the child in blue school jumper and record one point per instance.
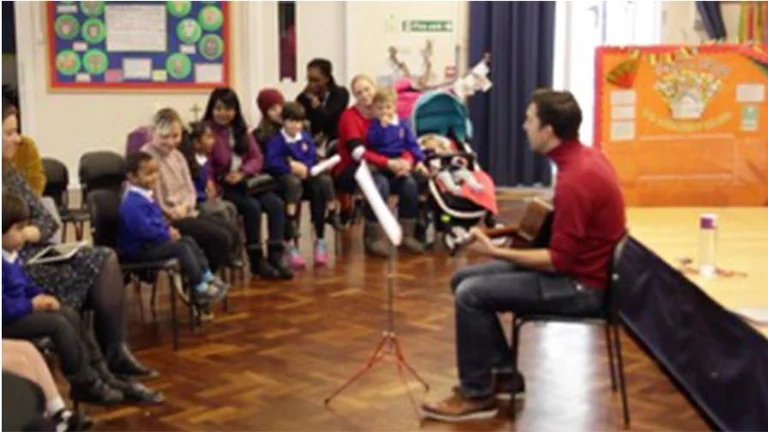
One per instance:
(390, 136)
(144, 235)
(30, 314)
(290, 155)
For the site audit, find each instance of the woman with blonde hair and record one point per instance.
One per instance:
(353, 134)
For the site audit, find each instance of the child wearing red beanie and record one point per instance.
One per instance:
(270, 102)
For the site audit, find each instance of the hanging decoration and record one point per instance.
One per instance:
(624, 74)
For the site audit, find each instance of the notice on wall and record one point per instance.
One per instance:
(136, 28)
(138, 45)
(682, 125)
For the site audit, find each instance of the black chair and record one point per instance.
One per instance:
(608, 316)
(101, 170)
(103, 206)
(56, 187)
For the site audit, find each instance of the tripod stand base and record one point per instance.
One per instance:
(387, 349)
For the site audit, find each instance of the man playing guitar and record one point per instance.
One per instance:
(569, 276)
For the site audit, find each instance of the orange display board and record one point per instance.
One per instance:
(685, 126)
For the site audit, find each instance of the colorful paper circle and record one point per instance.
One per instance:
(92, 8)
(95, 62)
(94, 31)
(178, 66)
(211, 47)
(179, 8)
(66, 27)
(67, 63)
(211, 18)
(189, 31)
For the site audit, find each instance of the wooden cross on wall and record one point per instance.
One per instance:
(196, 111)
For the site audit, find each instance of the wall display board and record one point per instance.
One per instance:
(685, 126)
(135, 45)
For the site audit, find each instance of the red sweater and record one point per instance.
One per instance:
(589, 213)
(353, 127)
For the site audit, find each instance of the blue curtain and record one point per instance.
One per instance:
(520, 38)
(712, 18)
(9, 28)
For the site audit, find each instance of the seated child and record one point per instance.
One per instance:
(455, 172)
(144, 235)
(290, 155)
(389, 136)
(29, 314)
(209, 201)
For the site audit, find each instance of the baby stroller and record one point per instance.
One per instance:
(440, 113)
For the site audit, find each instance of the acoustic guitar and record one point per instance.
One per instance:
(534, 230)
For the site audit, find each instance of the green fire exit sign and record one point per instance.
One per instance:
(431, 26)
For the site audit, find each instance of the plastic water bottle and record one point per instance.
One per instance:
(707, 244)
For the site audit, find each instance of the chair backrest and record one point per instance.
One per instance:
(611, 298)
(101, 170)
(56, 181)
(103, 205)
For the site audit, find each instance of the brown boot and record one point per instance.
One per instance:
(375, 240)
(460, 408)
(410, 242)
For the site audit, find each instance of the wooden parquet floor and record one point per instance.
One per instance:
(282, 348)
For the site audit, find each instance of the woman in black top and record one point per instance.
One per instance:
(323, 101)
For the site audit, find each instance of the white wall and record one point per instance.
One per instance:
(375, 26)
(352, 35)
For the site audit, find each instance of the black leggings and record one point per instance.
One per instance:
(250, 207)
(318, 190)
(107, 299)
(213, 237)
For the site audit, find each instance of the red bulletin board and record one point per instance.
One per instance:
(138, 45)
(685, 126)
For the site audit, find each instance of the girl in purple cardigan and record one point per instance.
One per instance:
(234, 158)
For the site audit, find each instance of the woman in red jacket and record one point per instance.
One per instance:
(353, 131)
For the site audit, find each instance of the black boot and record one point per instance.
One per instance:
(277, 260)
(260, 266)
(94, 391)
(291, 228)
(122, 362)
(132, 391)
(334, 220)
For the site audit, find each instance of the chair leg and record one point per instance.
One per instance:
(515, 343)
(515, 347)
(192, 321)
(152, 299)
(174, 317)
(622, 381)
(64, 232)
(79, 228)
(229, 277)
(137, 290)
(611, 361)
(298, 224)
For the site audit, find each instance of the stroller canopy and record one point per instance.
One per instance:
(440, 112)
